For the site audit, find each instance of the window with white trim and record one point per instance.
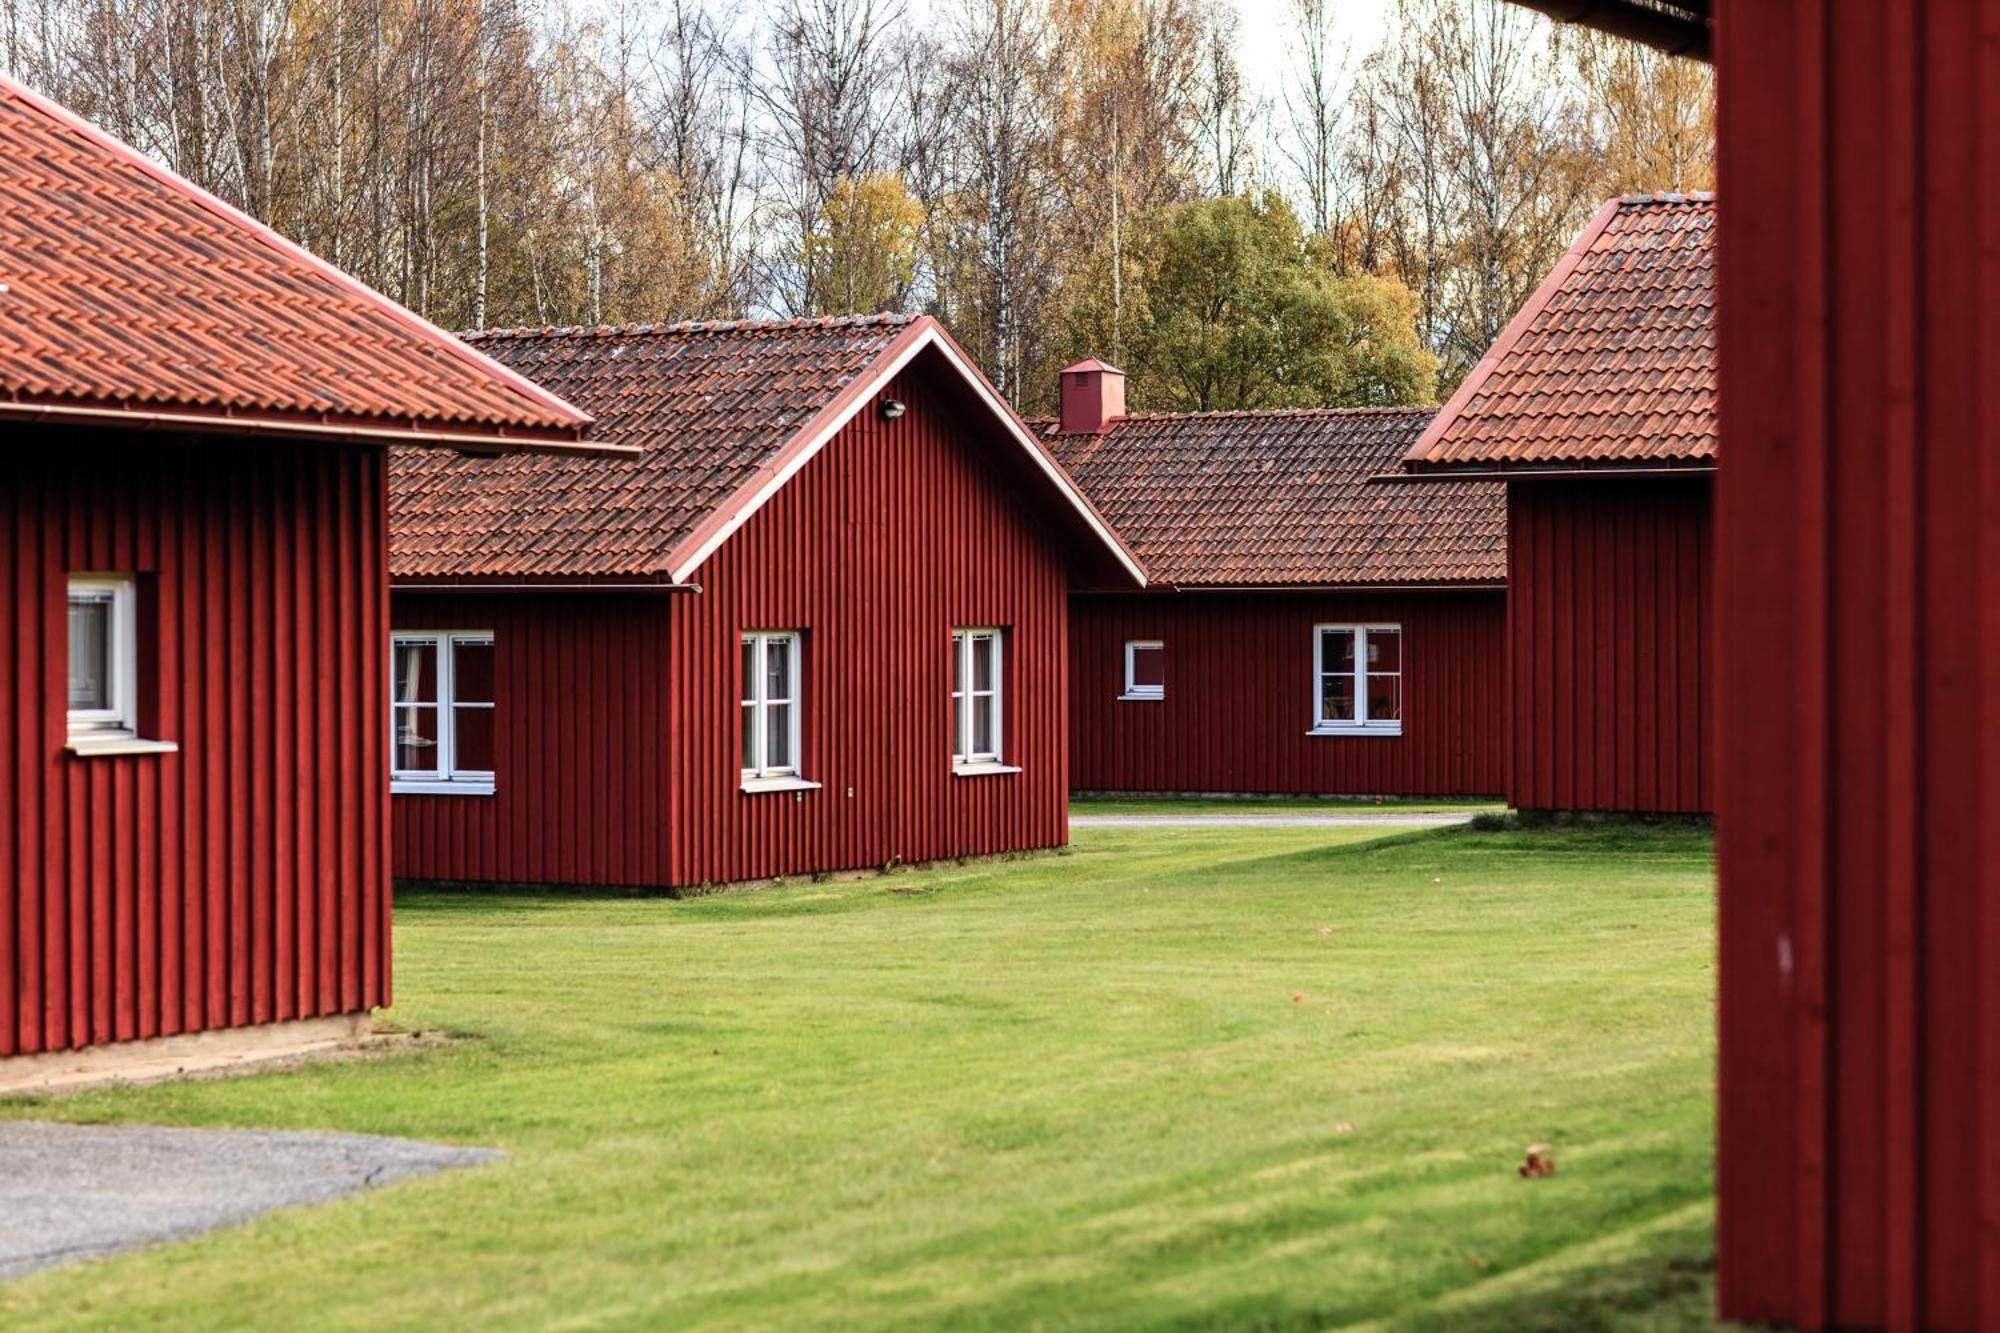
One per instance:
(441, 737)
(1145, 669)
(771, 679)
(977, 697)
(103, 656)
(1358, 680)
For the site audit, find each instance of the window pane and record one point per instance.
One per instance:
(985, 649)
(749, 673)
(416, 739)
(472, 739)
(1337, 650)
(1149, 669)
(472, 673)
(1385, 650)
(750, 736)
(958, 664)
(982, 725)
(958, 726)
(1336, 697)
(778, 735)
(778, 668)
(416, 673)
(90, 653)
(1385, 698)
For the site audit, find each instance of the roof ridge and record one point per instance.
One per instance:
(1667, 197)
(1275, 413)
(884, 320)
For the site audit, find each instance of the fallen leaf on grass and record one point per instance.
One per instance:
(1539, 1163)
(1299, 998)
(1326, 930)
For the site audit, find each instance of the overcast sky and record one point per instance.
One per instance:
(1262, 38)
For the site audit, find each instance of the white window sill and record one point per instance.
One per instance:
(985, 768)
(780, 782)
(1396, 730)
(1129, 698)
(110, 743)
(447, 787)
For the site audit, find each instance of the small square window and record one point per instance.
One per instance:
(1145, 669)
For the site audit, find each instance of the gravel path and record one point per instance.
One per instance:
(70, 1193)
(1269, 821)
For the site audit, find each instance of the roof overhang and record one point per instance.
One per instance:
(563, 434)
(166, 417)
(1678, 27)
(922, 334)
(1598, 471)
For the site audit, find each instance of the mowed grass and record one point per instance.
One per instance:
(1174, 1079)
(1276, 805)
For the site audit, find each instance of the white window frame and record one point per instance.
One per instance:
(121, 719)
(1360, 724)
(448, 779)
(765, 776)
(979, 763)
(1135, 692)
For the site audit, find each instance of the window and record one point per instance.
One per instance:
(1358, 680)
(441, 713)
(771, 708)
(976, 701)
(103, 658)
(1145, 670)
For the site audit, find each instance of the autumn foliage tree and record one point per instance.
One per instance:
(1027, 170)
(1242, 311)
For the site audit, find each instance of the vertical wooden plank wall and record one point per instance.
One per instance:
(1858, 544)
(892, 535)
(1240, 689)
(243, 879)
(1611, 590)
(580, 744)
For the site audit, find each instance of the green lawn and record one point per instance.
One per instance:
(1275, 805)
(1176, 1079)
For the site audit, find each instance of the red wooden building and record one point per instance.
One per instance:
(193, 548)
(1596, 407)
(1308, 632)
(1858, 651)
(818, 624)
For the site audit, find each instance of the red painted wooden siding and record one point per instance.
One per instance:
(1611, 688)
(244, 879)
(1858, 547)
(618, 714)
(891, 536)
(1239, 695)
(581, 744)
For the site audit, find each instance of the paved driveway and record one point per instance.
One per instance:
(69, 1193)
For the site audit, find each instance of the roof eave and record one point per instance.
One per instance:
(1605, 468)
(470, 437)
(565, 415)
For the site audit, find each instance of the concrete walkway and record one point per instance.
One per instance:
(1355, 820)
(70, 1193)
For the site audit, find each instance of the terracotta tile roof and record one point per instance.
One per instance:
(1612, 361)
(127, 293)
(716, 411)
(1285, 498)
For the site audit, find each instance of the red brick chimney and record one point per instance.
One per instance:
(1093, 396)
